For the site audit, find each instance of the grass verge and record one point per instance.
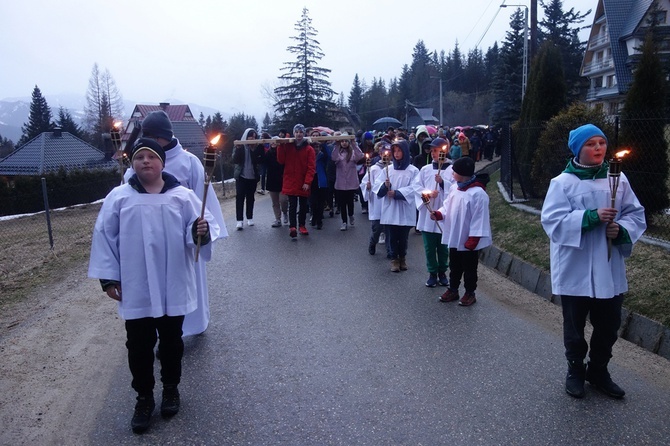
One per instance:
(520, 233)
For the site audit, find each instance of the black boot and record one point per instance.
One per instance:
(142, 416)
(170, 403)
(574, 381)
(599, 377)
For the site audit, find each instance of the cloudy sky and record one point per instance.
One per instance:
(223, 54)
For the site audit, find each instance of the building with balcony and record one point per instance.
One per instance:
(618, 31)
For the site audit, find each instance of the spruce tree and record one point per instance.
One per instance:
(66, 123)
(562, 28)
(507, 81)
(545, 97)
(306, 95)
(39, 120)
(642, 131)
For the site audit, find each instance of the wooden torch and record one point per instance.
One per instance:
(209, 159)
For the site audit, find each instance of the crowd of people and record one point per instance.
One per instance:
(151, 229)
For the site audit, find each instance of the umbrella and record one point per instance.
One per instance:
(384, 122)
(324, 129)
(431, 130)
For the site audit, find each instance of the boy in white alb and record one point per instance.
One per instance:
(467, 229)
(579, 219)
(143, 251)
(435, 179)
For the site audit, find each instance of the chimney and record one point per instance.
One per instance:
(58, 132)
(164, 105)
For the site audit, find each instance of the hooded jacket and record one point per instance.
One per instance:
(245, 155)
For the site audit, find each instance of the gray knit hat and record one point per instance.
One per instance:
(157, 125)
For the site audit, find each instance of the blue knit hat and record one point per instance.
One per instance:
(580, 135)
(298, 127)
(368, 135)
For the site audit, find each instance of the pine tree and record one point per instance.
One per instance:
(355, 96)
(267, 121)
(306, 97)
(507, 82)
(66, 123)
(642, 130)
(562, 28)
(39, 120)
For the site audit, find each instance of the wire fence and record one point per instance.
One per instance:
(648, 171)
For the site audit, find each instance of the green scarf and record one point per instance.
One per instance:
(590, 173)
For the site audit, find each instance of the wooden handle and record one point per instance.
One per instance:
(288, 140)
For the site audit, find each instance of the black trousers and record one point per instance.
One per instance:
(316, 201)
(605, 317)
(345, 201)
(293, 201)
(141, 340)
(463, 264)
(397, 240)
(245, 190)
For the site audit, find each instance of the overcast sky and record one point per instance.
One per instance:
(221, 54)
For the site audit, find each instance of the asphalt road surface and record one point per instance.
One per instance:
(315, 342)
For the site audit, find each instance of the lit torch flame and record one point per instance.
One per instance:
(214, 141)
(621, 154)
(118, 124)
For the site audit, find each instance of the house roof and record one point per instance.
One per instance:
(48, 152)
(623, 16)
(426, 115)
(191, 136)
(180, 112)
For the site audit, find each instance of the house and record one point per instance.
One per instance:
(51, 151)
(618, 30)
(184, 126)
(420, 116)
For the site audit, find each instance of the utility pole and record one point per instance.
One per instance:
(440, 79)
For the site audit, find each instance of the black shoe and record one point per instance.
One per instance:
(574, 380)
(142, 416)
(372, 248)
(319, 225)
(170, 403)
(599, 377)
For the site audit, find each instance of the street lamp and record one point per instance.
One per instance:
(524, 77)
(437, 77)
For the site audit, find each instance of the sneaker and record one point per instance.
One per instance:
(293, 232)
(449, 296)
(142, 416)
(250, 222)
(364, 211)
(331, 213)
(432, 280)
(382, 238)
(442, 279)
(285, 218)
(351, 220)
(240, 225)
(303, 230)
(343, 227)
(276, 224)
(372, 248)
(467, 299)
(170, 403)
(262, 192)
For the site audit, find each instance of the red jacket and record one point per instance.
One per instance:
(299, 167)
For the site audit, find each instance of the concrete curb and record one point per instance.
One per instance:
(640, 330)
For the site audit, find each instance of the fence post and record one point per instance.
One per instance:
(46, 212)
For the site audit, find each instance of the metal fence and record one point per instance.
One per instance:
(647, 171)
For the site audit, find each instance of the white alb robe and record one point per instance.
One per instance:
(374, 202)
(427, 183)
(466, 214)
(579, 265)
(398, 212)
(190, 173)
(145, 242)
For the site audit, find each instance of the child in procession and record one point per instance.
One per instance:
(435, 179)
(466, 229)
(397, 189)
(372, 174)
(587, 274)
(143, 252)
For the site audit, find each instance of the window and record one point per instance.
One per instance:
(611, 81)
(613, 108)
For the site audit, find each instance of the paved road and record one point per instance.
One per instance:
(315, 342)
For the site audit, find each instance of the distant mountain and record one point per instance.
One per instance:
(14, 112)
